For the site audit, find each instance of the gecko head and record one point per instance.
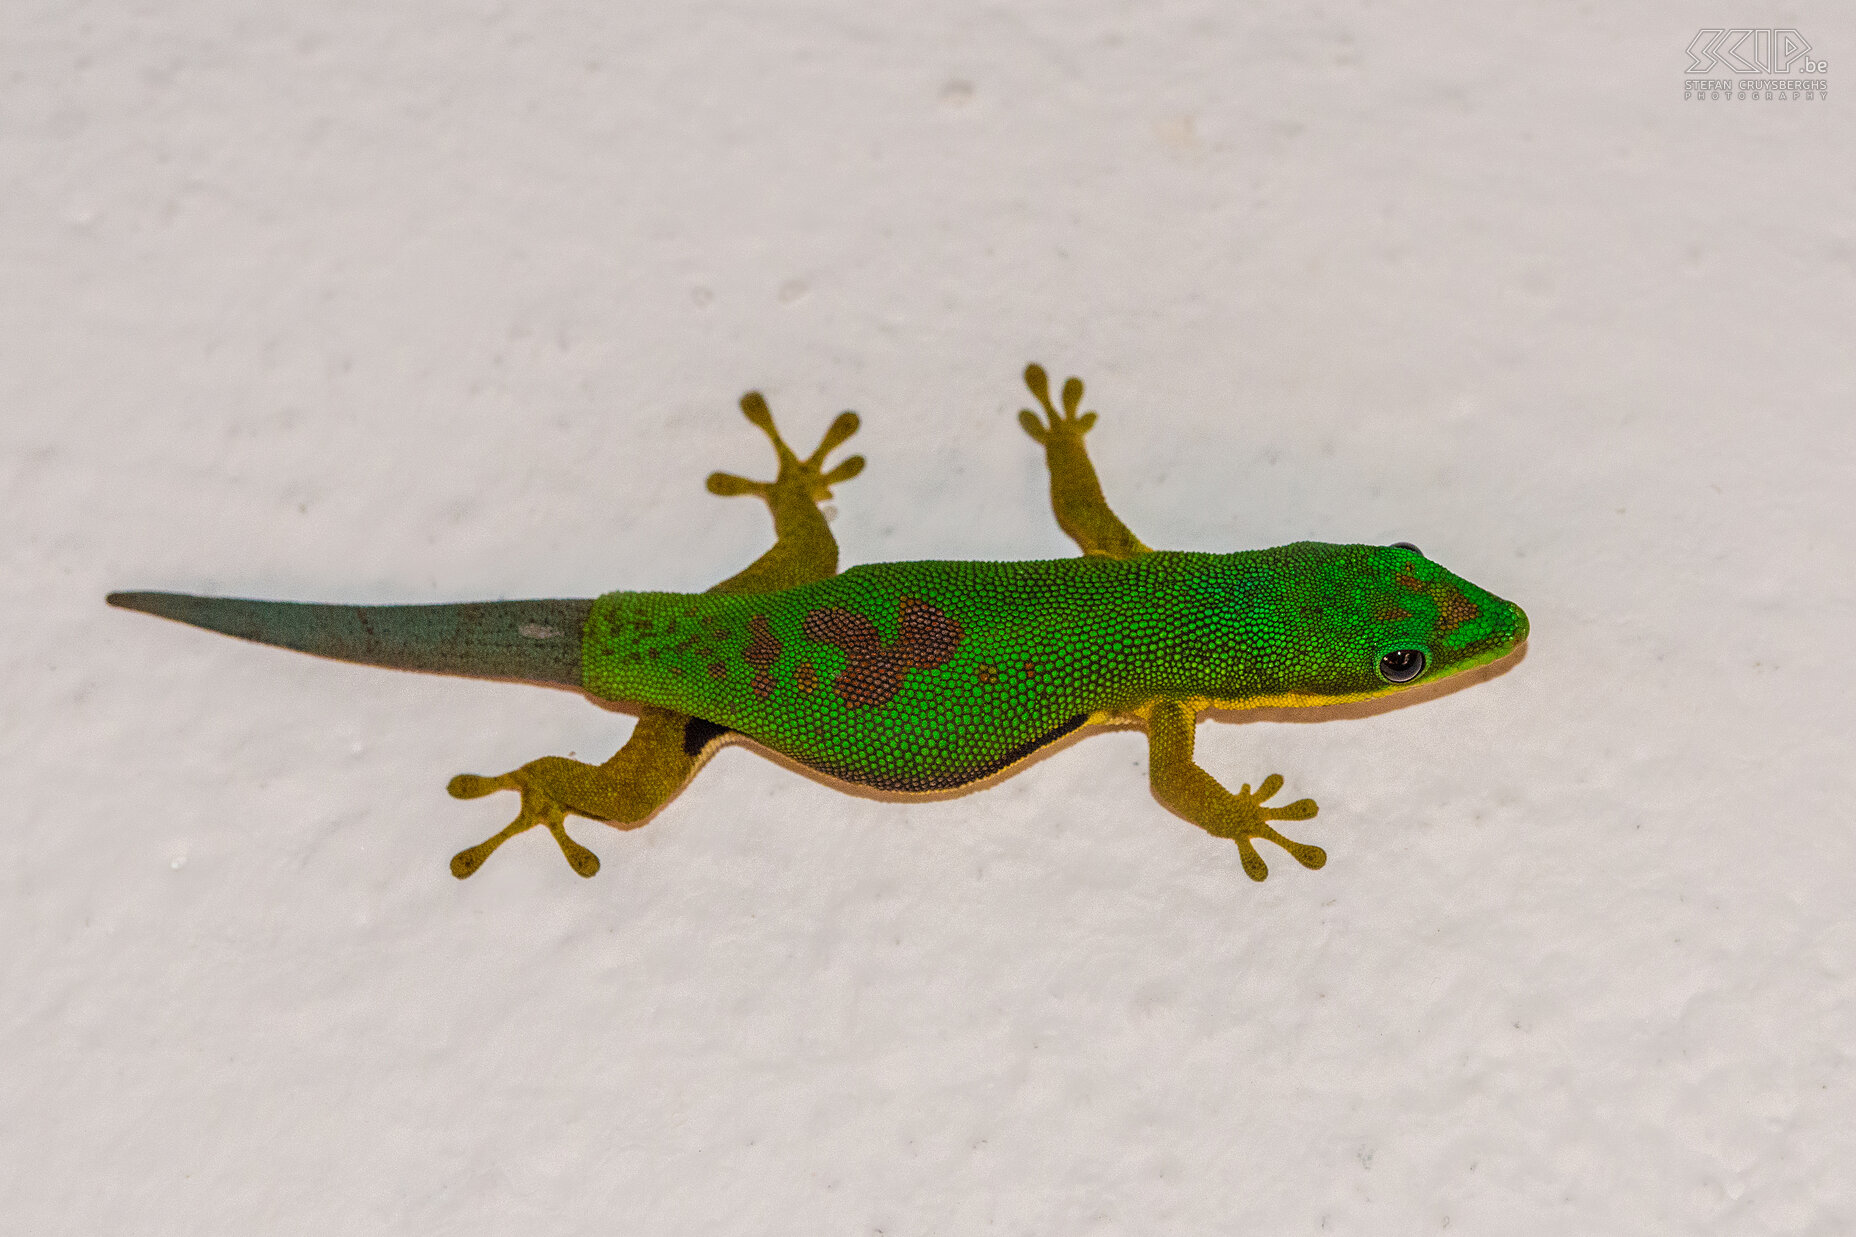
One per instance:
(1361, 621)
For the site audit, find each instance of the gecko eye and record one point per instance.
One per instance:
(1401, 665)
(1406, 545)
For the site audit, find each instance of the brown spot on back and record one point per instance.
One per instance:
(717, 670)
(805, 678)
(926, 637)
(763, 647)
(988, 674)
(927, 634)
(762, 685)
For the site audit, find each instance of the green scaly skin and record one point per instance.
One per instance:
(916, 678)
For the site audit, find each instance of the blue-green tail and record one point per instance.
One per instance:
(532, 641)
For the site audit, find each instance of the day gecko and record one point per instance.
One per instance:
(916, 678)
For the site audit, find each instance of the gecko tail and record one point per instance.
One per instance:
(531, 641)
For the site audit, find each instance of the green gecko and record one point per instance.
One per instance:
(917, 678)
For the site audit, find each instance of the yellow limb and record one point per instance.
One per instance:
(640, 778)
(1075, 493)
(666, 747)
(1179, 784)
(803, 548)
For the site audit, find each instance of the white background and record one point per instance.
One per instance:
(427, 302)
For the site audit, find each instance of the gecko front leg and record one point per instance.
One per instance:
(1179, 784)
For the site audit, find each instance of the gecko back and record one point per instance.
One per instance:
(917, 677)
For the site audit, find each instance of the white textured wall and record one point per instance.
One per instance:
(419, 301)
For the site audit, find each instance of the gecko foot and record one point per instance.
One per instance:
(807, 476)
(538, 808)
(1069, 422)
(1244, 817)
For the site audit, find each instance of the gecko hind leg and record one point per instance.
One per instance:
(655, 763)
(666, 747)
(803, 548)
(1180, 784)
(1075, 491)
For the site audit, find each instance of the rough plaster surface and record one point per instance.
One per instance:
(417, 302)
